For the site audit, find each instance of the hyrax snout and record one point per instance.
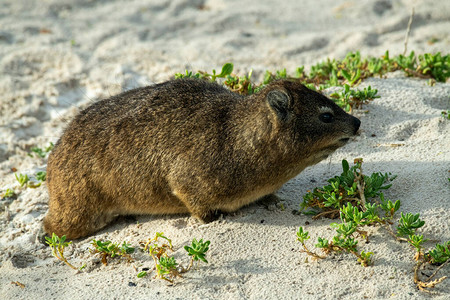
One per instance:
(186, 146)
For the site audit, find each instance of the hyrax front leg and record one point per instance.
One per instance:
(209, 217)
(269, 201)
(199, 208)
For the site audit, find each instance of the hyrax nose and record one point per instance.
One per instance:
(356, 123)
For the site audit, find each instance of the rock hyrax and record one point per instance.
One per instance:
(186, 146)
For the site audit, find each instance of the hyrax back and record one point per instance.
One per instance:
(186, 146)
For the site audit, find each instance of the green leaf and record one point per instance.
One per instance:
(441, 253)
(227, 69)
(198, 249)
(302, 236)
(322, 243)
(310, 213)
(345, 166)
(42, 175)
(142, 274)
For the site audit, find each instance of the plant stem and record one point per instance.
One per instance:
(389, 229)
(437, 270)
(423, 285)
(359, 178)
(416, 74)
(313, 254)
(191, 263)
(63, 259)
(408, 30)
(327, 212)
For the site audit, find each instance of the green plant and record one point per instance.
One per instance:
(375, 66)
(238, 84)
(346, 232)
(353, 77)
(352, 186)
(407, 63)
(408, 224)
(440, 254)
(142, 274)
(365, 258)
(109, 249)
(359, 202)
(167, 268)
(366, 94)
(343, 98)
(446, 114)
(41, 153)
(197, 250)
(58, 245)
(226, 70)
(348, 98)
(187, 74)
(9, 193)
(343, 241)
(417, 242)
(241, 85)
(436, 66)
(22, 179)
(350, 71)
(41, 176)
(303, 236)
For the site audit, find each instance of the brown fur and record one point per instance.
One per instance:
(185, 146)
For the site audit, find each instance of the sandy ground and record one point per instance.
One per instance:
(58, 56)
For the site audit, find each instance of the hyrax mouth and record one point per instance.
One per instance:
(356, 124)
(339, 142)
(328, 149)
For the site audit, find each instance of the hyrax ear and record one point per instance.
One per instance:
(280, 102)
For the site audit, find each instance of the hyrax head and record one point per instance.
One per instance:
(314, 124)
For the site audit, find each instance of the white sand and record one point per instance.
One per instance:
(57, 56)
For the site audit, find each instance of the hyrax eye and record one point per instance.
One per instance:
(326, 117)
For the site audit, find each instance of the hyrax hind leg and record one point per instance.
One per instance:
(74, 222)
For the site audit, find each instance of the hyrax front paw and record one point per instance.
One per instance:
(209, 216)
